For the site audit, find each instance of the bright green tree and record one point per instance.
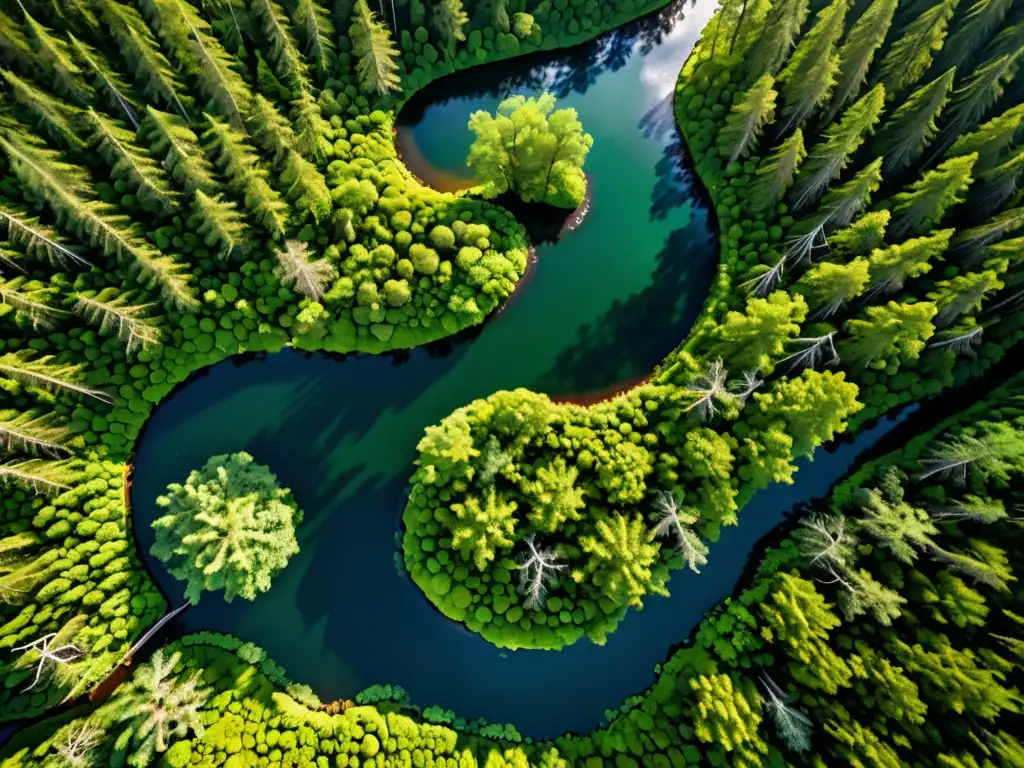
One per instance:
(982, 19)
(891, 266)
(375, 52)
(862, 236)
(778, 35)
(750, 112)
(531, 149)
(858, 51)
(554, 495)
(888, 335)
(963, 293)
(726, 714)
(810, 75)
(480, 530)
(983, 88)
(230, 527)
(925, 203)
(776, 173)
(750, 340)
(449, 18)
(911, 55)
(622, 559)
(814, 406)
(991, 139)
(911, 128)
(828, 287)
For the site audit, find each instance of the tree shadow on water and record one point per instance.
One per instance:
(635, 334)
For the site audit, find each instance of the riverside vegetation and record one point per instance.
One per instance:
(864, 170)
(887, 621)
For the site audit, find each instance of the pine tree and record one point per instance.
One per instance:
(622, 559)
(963, 293)
(39, 241)
(236, 158)
(996, 186)
(218, 222)
(828, 287)
(113, 313)
(856, 54)
(776, 173)
(104, 80)
(43, 477)
(992, 139)
(862, 236)
(969, 244)
(893, 265)
(808, 79)
(977, 26)
(924, 205)
(289, 63)
(970, 103)
(54, 118)
(749, 114)
(779, 34)
(28, 304)
(153, 74)
(317, 32)
(827, 159)
(269, 129)
(376, 54)
(839, 207)
(63, 75)
(448, 19)
(1008, 40)
(888, 335)
(911, 128)
(172, 142)
(911, 55)
(116, 145)
(46, 373)
(309, 128)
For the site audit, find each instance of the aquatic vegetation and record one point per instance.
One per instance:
(230, 526)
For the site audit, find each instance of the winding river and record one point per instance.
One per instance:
(602, 306)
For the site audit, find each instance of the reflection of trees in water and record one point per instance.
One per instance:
(559, 72)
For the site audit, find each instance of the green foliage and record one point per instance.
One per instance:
(532, 149)
(230, 527)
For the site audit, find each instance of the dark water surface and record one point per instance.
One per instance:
(602, 307)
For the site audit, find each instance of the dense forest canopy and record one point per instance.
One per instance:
(185, 181)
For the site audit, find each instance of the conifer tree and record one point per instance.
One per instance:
(29, 304)
(970, 103)
(749, 114)
(827, 159)
(113, 313)
(54, 118)
(172, 142)
(317, 32)
(996, 185)
(862, 236)
(778, 36)
(42, 477)
(809, 77)
(751, 339)
(153, 74)
(963, 293)
(269, 129)
(39, 241)
(911, 128)
(494, 14)
(309, 127)
(891, 266)
(888, 335)
(982, 19)
(448, 19)
(376, 54)
(990, 140)
(828, 287)
(1010, 39)
(218, 222)
(840, 206)
(63, 75)
(46, 373)
(858, 51)
(622, 556)
(289, 63)
(116, 145)
(925, 203)
(776, 173)
(911, 55)
(105, 81)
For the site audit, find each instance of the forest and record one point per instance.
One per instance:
(185, 181)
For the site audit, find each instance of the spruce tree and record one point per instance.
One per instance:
(888, 335)
(925, 203)
(862, 236)
(105, 81)
(969, 244)
(750, 111)
(778, 35)
(827, 287)
(840, 206)
(963, 293)
(979, 23)
(827, 159)
(911, 54)
(996, 185)
(283, 50)
(316, 30)
(990, 140)
(970, 103)
(858, 51)
(448, 19)
(63, 75)
(808, 79)
(1007, 41)
(776, 173)
(911, 128)
(376, 54)
(892, 266)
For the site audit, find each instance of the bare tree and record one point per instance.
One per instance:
(538, 569)
(792, 726)
(952, 458)
(960, 343)
(77, 747)
(48, 657)
(765, 283)
(673, 523)
(744, 387)
(802, 247)
(824, 540)
(972, 508)
(710, 386)
(813, 352)
(307, 276)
